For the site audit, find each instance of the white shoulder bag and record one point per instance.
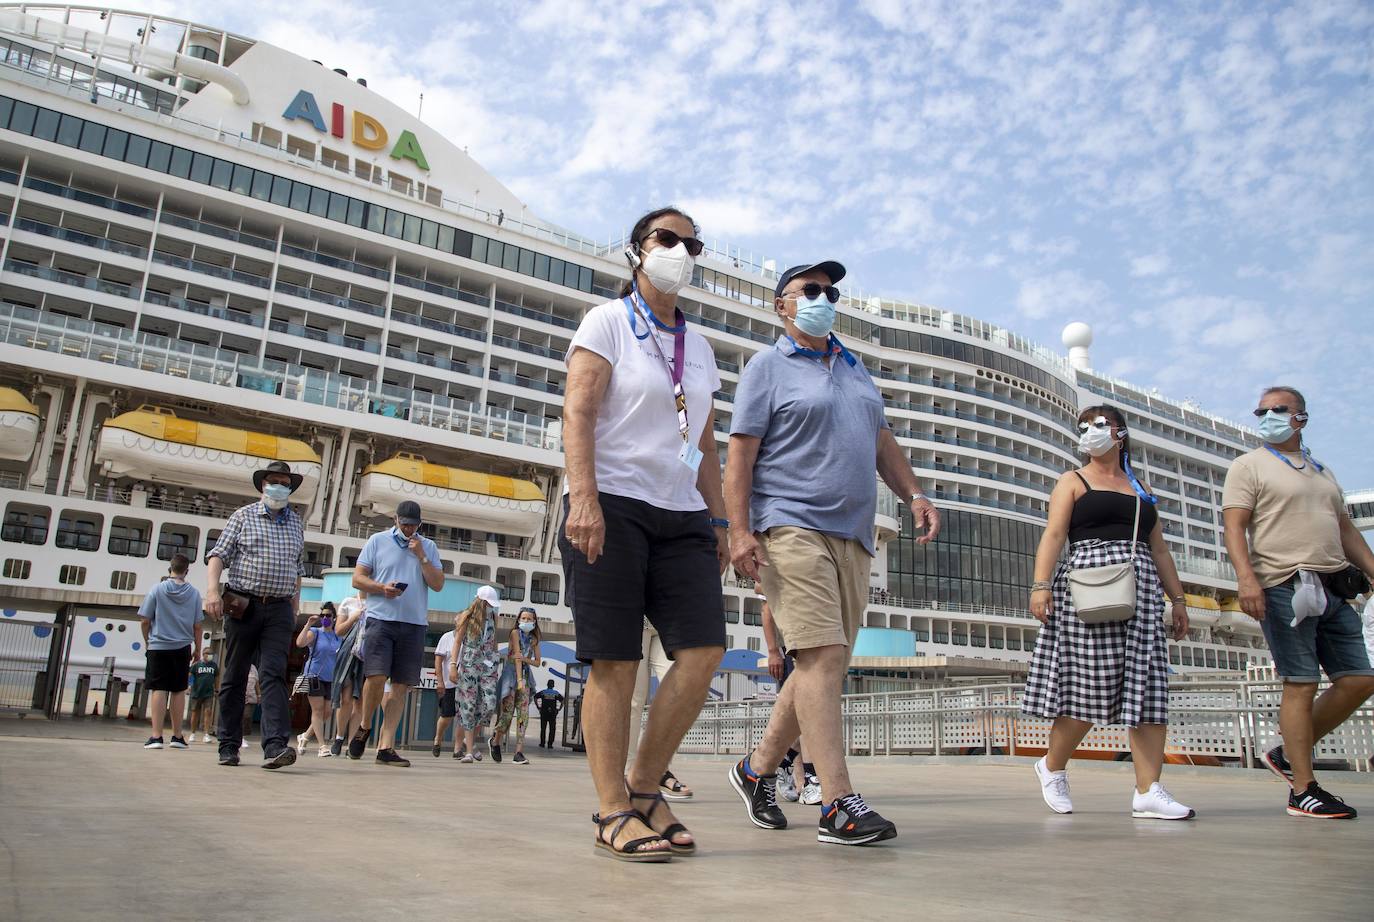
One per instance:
(1107, 593)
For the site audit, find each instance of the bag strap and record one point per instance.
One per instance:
(1135, 528)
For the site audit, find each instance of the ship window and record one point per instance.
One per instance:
(479, 248)
(136, 151)
(69, 130)
(181, 163)
(511, 258)
(731, 610)
(753, 611)
(571, 274)
(495, 248)
(348, 557)
(445, 241)
(159, 156)
(526, 262)
(6, 107)
(395, 222)
(462, 242)
(17, 569)
(45, 127)
(338, 206)
(123, 581)
(281, 191)
(262, 185)
(318, 558)
(242, 181)
(211, 539)
(25, 524)
(129, 537)
(410, 232)
(541, 266)
(201, 167)
(79, 531)
(177, 539)
(375, 218)
(429, 233)
(319, 202)
(221, 174)
(355, 212)
(584, 281)
(556, 270)
(544, 589)
(22, 118)
(71, 575)
(93, 138)
(300, 196)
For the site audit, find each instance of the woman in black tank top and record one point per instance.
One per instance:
(1115, 672)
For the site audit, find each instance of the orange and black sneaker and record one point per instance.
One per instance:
(1318, 803)
(850, 821)
(760, 795)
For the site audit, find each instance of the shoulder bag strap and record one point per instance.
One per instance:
(1135, 528)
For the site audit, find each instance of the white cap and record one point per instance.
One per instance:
(489, 595)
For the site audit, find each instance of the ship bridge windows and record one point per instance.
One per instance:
(129, 537)
(544, 589)
(78, 530)
(475, 572)
(753, 610)
(731, 610)
(175, 539)
(25, 524)
(511, 583)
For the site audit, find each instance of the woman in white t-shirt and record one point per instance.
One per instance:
(644, 528)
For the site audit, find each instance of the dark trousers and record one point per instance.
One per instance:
(547, 726)
(261, 636)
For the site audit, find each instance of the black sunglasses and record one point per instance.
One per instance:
(1281, 408)
(812, 290)
(669, 240)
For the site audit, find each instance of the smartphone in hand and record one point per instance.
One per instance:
(402, 586)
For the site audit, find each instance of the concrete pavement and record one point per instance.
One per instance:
(94, 827)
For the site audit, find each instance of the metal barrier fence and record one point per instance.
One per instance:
(1229, 721)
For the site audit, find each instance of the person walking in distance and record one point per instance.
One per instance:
(1299, 560)
(446, 692)
(808, 442)
(643, 529)
(204, 671)
(514, 688)
(476, 667)
(261, 556)
(1114, 672)
(345, 692)
(549, 702)
(318, 636)
(171, 616)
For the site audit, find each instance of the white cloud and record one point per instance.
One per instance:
(1149, 265)
(1063, 295)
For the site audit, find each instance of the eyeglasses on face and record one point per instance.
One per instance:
(1280, 408)
(668, 240)
(813, 290)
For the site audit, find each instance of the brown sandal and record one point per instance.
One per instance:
(630, 851)
(658, 800)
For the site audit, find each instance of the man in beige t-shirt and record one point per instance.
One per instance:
(1300, 536)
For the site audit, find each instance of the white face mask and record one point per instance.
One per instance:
(669, 269)
(1096, 442)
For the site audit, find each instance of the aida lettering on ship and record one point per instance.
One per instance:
(368, 133)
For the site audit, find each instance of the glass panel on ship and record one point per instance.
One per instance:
(232, 300)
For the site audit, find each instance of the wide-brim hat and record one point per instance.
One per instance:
(278, 467)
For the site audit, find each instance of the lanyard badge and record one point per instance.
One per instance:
(689, 454)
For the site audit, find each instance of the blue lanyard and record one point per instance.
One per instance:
(1135, 484)
(634, 303)
(1306, 455)
(833, 347)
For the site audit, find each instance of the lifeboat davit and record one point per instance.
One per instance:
(1235, 620)
(1203, 611)
(18, 426)
(452, 496)
(153, 444)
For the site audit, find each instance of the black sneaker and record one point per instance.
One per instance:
(760, 796)
(520, 759)
(287, 756)
(230, 758)
(495, 749)
(1277, 762)
(337, 747)
(358, 745)
(850, 821)
(178, 743)
(435, 750)
(389, 757)
(154, 742)
(1321, 804)
(460, 752)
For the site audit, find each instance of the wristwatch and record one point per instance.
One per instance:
(719, 523)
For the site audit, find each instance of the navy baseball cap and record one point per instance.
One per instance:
(408, 513)
(829, 267)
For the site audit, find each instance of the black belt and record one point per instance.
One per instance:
(261, 599)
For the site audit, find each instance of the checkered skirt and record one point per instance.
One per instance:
(1113, 673)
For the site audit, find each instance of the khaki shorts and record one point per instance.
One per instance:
(817, 586)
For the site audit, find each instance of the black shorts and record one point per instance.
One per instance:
(394, 649)
(657, 564)
(319, 688)
(448, 702)
(168, 670)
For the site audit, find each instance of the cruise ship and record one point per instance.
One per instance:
(217, 253)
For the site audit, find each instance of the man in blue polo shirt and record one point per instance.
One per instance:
(807, 434)
(394, 570)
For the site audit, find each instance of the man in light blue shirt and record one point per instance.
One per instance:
(395, 569)
(171, 631)
(807, 443)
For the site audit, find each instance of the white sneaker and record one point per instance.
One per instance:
(243, 745)
(1054, 787)
(324, 753)
(301, 742)
(787, 786)
(208, 738)
(811, 793)
(1158, 804)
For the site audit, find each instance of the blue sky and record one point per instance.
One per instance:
(1196, 183)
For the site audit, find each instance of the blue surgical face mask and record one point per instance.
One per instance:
(275, 495)
(1276, 428)
(815, 318)
(399, 537)
(527, 626)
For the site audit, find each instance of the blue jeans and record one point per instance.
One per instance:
(1333, 642)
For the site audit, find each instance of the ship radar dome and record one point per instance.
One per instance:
(1077, 337)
